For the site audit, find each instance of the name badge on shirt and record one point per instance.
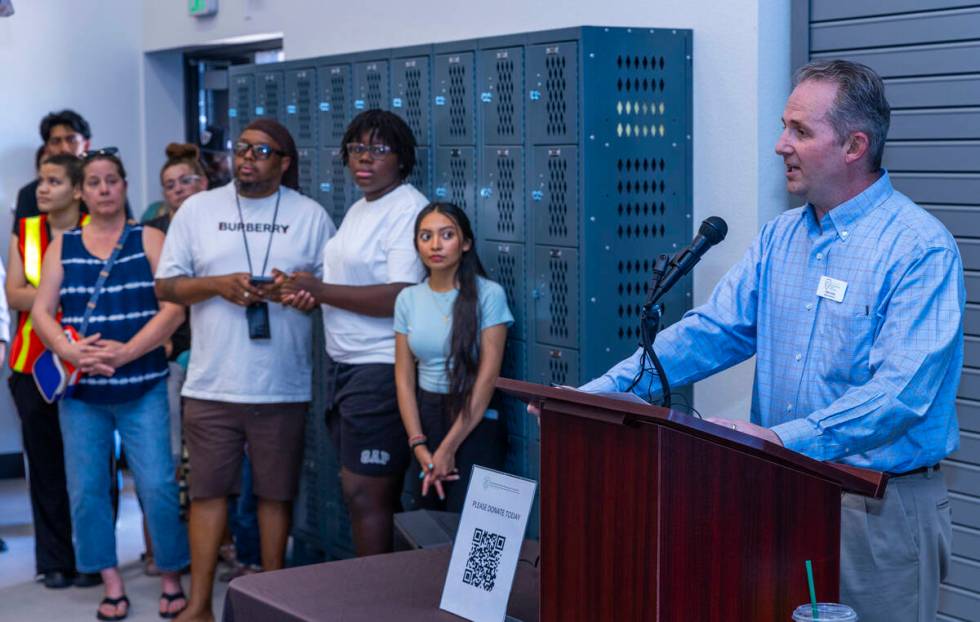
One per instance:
(831, 289)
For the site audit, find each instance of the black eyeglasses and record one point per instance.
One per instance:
(261, 151)
(376, 151)
(105, 151)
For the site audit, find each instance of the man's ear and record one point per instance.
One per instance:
(856, 146)
(285, 164)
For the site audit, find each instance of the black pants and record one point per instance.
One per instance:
(46, 467)
(485, 446)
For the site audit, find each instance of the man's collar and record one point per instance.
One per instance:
(847, 214)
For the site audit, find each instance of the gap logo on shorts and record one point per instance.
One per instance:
(375, 456)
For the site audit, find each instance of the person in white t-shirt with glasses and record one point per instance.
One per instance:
(365, 265)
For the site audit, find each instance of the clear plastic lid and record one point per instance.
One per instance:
(825, 612)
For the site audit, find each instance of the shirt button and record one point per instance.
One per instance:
(819, 256)
(798, 356)
(789, 407)
(809, 306)
(843, 234)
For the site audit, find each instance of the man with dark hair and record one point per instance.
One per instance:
(852, 306)
(249, 377)
(61, 132)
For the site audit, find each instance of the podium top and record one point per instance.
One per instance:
(575, 403)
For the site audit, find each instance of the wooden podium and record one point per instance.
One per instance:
(651, 514)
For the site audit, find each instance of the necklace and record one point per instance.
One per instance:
(441, 308)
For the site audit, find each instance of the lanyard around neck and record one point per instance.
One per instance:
(272, 232)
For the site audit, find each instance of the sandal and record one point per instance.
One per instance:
(170, 598)
(113, 602)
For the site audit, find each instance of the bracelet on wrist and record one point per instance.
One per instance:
(416, 440)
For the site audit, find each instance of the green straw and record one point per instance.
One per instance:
(813, 591)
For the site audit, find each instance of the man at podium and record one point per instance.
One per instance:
(852, 306)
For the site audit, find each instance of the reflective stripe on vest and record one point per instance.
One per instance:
(20, 363)
(33, 253)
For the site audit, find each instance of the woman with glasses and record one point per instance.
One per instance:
(181, 176)
(121, 356)
(365, 265)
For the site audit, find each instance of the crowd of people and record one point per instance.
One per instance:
(191, 334)
(852, 306)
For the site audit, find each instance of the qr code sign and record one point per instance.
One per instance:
(483, 560)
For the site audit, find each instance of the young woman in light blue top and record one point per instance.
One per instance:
(450, 332)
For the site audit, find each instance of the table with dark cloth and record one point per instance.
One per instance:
(405, 586)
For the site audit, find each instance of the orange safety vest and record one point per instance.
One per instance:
(33, 241)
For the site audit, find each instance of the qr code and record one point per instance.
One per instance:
(483, 560)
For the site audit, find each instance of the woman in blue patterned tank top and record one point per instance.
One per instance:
(123, 362)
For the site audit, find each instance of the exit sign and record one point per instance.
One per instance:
(202, 8)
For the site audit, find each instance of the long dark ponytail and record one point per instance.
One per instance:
(463, 361)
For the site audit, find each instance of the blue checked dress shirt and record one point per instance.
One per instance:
(869, 381)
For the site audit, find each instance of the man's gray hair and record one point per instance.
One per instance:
(860, 105)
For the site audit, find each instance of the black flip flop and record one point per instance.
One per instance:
(115, 602)
(169, 615)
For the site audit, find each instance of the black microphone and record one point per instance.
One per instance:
(712, 231)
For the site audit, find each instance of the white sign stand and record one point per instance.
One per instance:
(488, 544)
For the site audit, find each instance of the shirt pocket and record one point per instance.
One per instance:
(846, 334)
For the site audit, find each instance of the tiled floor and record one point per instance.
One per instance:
(21, 599)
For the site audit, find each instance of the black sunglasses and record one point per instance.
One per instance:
(262, 151)
(105, 151)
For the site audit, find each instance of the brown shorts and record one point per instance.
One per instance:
(217, 433)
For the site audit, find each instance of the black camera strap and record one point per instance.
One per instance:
(272, 232)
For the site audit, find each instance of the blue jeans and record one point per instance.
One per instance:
(243, 520)
(144, 424)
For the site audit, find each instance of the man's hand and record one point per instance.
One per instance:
(747, 428)
(236, 289)
(273, 291)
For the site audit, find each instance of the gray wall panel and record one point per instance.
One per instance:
(953, 188)
(958, 124)
(961, 220)
(958, 602)
(967, 542)
(821, 10)
(969, 446)
(963, 573)
(956, 157)
(968, 415)
(971, 353)
(893, 30)
(970, 251)
(962, 478)
(971, 320)
(966, 510)
(916, 61)
(930, 92)
(969, 385)
(972, 280)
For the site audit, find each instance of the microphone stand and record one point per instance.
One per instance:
(650, 316)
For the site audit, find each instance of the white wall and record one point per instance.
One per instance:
(60, 54)
(741, 79)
